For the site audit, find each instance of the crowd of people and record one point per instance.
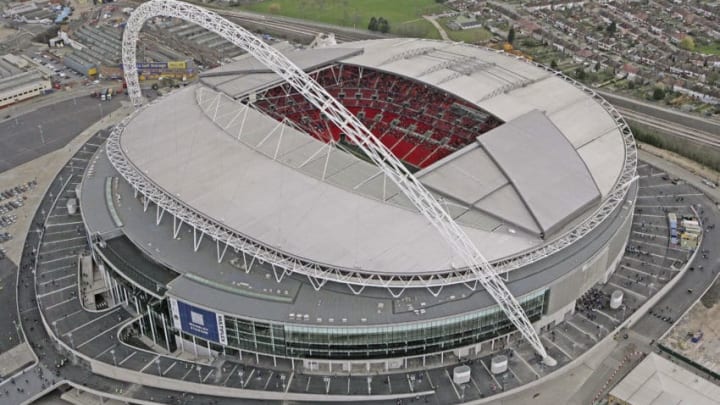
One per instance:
(592, 300)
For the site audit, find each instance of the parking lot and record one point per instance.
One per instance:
(37, 133)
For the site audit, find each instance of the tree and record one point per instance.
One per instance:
(383, 25)
(598, 66)
(658, 94)
(511, 35)
(611, 28)
(373, 26)
(580, 73)
(274, 8)
(712, 78)
(687, 43)
(553, 64)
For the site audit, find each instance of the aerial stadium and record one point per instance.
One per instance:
(367, 207)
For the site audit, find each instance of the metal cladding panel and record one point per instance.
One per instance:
(468, 177)
(582, 131)
(545, 169)
(603, 156)
(505, 203)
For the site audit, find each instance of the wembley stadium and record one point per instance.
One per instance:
(246, 220)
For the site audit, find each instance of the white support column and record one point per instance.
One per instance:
(177, 224)
(152, 324)
(165, 331)
(159, 211)
(196, 240)
(221, 254)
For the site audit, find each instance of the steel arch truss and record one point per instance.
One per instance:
(351, 126)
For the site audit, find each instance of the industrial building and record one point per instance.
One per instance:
(658, 381)
(16, 84)
(98, 51)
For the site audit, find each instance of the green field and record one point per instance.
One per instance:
(709, 49)
(471, 36)
(405, 16)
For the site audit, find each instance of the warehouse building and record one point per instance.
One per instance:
(657, 381)
(22, 86)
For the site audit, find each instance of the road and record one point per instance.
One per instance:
(298, 27)
(29, 136)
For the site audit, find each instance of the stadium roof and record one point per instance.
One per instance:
(558, 153)
(555, 189)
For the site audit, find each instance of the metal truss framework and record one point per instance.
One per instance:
(352, 127)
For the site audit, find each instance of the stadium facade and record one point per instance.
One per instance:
(241, 222)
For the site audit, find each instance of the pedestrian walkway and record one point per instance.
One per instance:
(438, 27)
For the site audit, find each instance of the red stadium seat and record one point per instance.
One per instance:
(410, 118)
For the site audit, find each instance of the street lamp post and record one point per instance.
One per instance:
(17, 329)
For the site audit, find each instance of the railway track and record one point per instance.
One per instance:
(691, 134)
(295, 27)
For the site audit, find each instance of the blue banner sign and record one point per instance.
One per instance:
(198, 321)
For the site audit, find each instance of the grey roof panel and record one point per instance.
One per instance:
(545, 169)
(292, 210)
(506, 203)
(468, 177)
(241, 83)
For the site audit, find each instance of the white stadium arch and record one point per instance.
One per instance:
(350, 125)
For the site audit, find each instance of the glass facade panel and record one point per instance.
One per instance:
(376, 342)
